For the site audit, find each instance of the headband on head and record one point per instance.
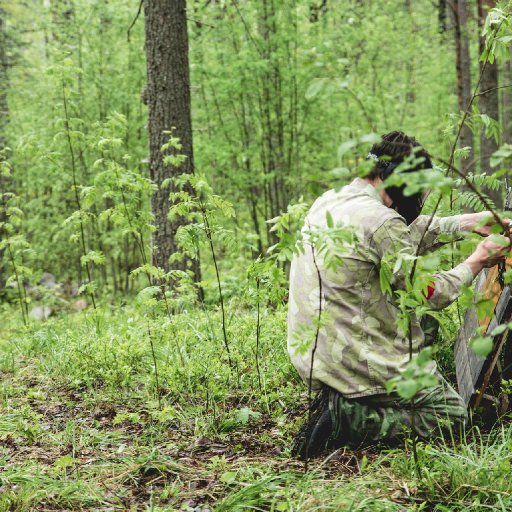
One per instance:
(408, 207)
(386, 166)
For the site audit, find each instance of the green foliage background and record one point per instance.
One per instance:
(286, 98)
(272, 102)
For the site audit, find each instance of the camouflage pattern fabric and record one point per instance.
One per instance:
(338, 421)
(359, 348)
(430, 328)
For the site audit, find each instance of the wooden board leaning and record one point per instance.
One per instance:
(479, 378)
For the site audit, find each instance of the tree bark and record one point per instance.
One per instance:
(273, 150)
(441, 14)
(466, 135)
(168, 100)
(488, 103)
(4, 115)
(458, 10)
(506, 100)
(317, 10)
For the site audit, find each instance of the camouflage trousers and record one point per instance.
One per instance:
(338, 421)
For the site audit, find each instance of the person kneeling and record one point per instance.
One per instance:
(360, 349)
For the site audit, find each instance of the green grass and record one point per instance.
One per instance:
(82, 428)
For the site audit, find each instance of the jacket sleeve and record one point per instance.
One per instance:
(438, 226)
(393, 241)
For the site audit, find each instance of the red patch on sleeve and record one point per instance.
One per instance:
(430, 291)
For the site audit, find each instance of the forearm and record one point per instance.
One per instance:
(447, 285)
(475, 264)
(468, 221)
(426, 230)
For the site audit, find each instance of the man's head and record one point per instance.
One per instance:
(389, 153)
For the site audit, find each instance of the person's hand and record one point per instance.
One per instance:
(489, 252)
(481, 223)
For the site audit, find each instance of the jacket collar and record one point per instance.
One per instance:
(363, 186)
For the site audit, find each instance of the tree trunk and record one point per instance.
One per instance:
(4, 112)
(466, 135)
(317, 10)
(272, 116)
(168, 99)
(506, 101)
(489, 103)
(458, 10)
(441, 14)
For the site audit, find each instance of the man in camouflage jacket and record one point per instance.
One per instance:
(360, 348)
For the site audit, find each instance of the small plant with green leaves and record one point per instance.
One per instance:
(157, 300)
(80, 218)
(266, 284)
(416, 377)
(124, 192)
(17, 250)
(287, 228)
(197, 202)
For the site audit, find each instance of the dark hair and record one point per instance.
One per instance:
(389, 153)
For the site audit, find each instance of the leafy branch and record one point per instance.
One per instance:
(84, 259)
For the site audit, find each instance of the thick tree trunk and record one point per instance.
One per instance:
(168, 100)
(489, 103)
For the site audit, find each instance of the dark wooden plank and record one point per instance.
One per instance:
(467, 365)
(472, 370)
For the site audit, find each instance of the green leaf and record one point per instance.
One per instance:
(391, 384)
(424, 357)
(428, 381)
(499, 329)
(385, 278)
(431, 262)
(346, 146)
(228, 477)
(463, 152)
(481, 346)
(328, 219)
(342, 84)
(484, 308)
(340, 173)
(507, 276)
(66, 461)
(398, 265)
(244, 414)
(315, 87)
(407, 388)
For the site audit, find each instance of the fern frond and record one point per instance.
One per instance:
(490, 182)
(471, 200)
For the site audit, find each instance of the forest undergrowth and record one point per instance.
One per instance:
(83, 427)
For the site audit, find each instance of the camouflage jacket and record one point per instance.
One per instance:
(359, 346)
